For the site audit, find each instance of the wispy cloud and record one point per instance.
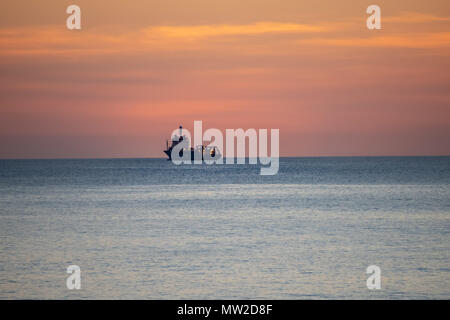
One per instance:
(414, 17)
(57, 41)
(410, 40)
(54, 40)
(258, 28)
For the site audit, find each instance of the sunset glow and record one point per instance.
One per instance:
(137, 70)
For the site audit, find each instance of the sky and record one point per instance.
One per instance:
(138, 69)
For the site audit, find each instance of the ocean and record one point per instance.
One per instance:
(147, 229)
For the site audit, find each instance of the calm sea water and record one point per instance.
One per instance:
(144, 228)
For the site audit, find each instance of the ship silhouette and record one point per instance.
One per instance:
(201, 151)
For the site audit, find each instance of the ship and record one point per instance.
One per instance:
(212, 151)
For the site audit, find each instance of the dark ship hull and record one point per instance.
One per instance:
(168, 152)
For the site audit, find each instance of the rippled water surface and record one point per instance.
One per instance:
(144, 228)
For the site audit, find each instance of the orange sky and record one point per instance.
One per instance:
(138, 69)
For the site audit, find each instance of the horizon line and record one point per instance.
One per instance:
(285, 157)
